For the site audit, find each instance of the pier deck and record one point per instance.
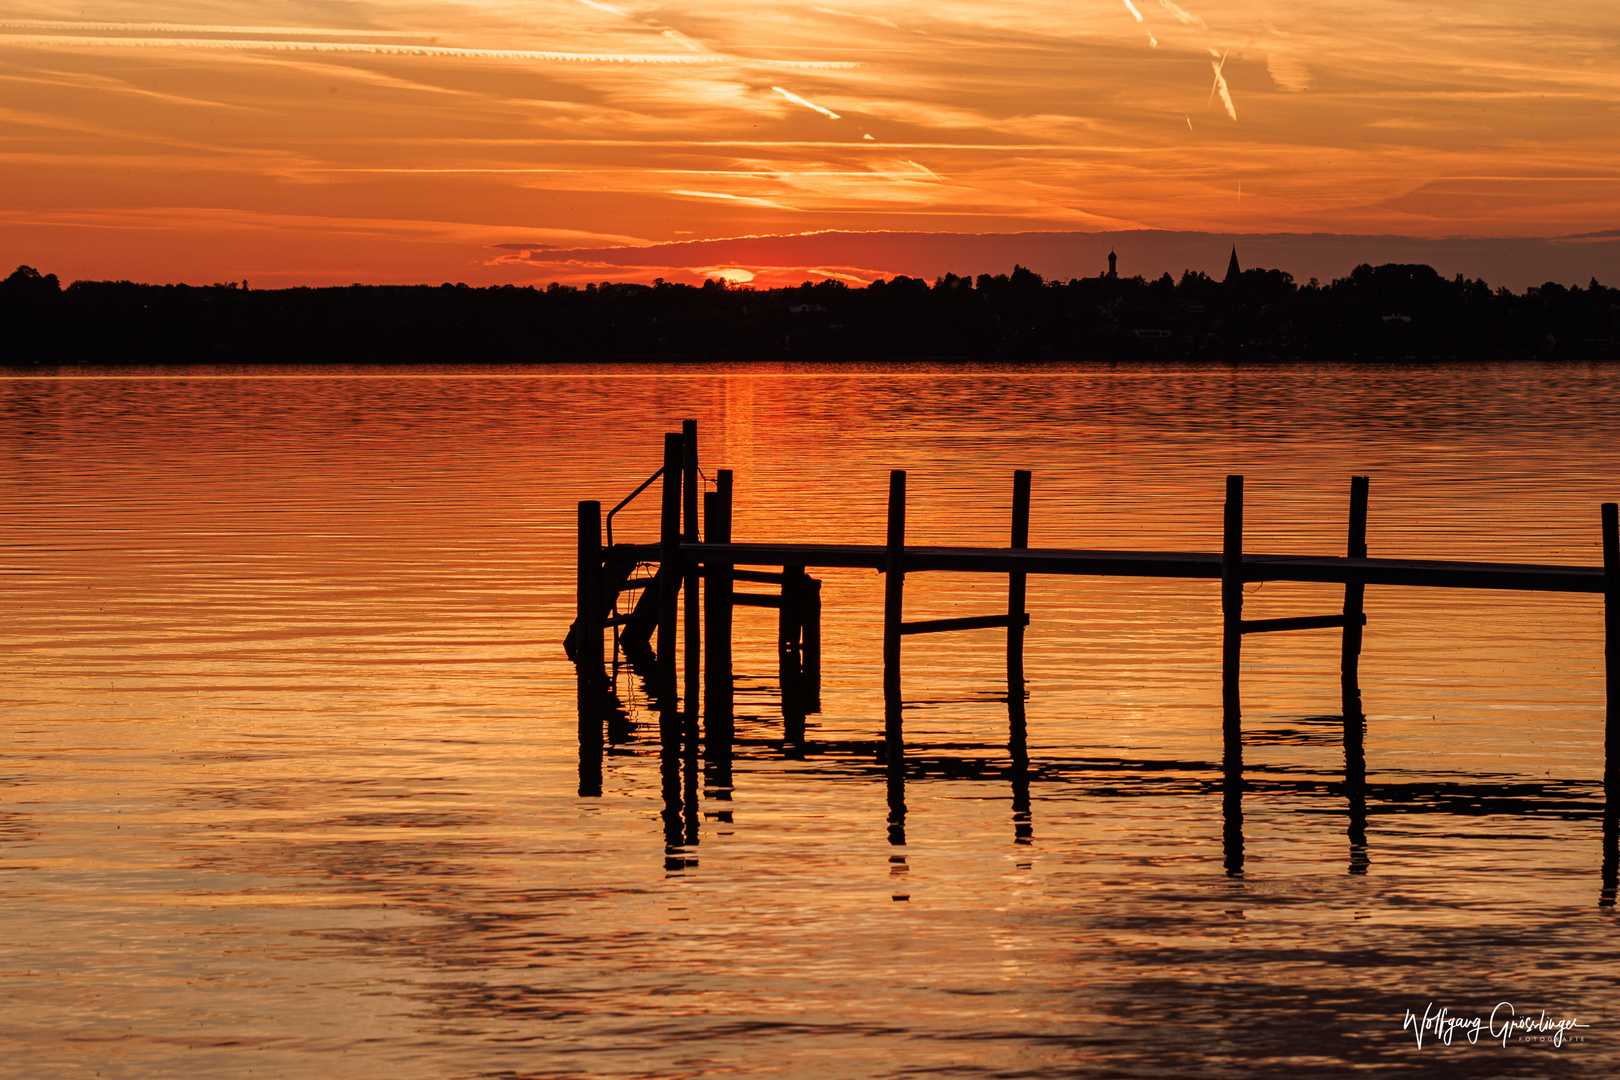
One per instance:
(1082, 562)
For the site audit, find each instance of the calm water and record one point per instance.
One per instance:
(290, 770)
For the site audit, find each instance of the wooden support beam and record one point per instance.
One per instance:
(1232, 622)
(762, 577)
(588, 647)
(669, 570)
(1355, 723)
(975, 622)
(693, 636)
(748, 599)
(717, 598)
(893, 605)
(1300, 622)
(1018, 618)
(1076, 562)
(1611, 649)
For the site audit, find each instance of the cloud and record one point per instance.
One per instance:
(797, 100)
(732, 198)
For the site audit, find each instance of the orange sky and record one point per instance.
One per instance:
(491, 142)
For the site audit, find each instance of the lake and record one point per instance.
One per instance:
(291, 775)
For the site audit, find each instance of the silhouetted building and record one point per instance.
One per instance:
(1232, 270)
(1113, 260)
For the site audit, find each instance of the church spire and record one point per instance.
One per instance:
(1232, 270)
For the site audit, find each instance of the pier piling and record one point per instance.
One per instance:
(1611, 648)
(689, 535)
(1350, 655)
(718, 686)
(1016, 588)
(588, 647)
(894, 581)
(669, 571)
(1232, 624)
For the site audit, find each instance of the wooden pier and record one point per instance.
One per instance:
(683, 558)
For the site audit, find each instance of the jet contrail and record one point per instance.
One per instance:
(797, 100)
(245, 45)
(1221, 88)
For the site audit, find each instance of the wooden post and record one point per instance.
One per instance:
(894, 581)
(669, 571)
(1355, 724)
(1231, 659)
(1016, 587)
(1611, 649)
(1232, 624)
(694, 615)
(588, 647)
(717, 687)
(1611, 727)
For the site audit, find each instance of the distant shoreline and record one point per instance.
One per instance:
(1396, 312)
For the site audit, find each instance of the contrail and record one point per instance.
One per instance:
(797, 100)
(1221, 88)
(729, 198)
(190, 28)
(1182, 14)
(1137, 15)
(235, 45)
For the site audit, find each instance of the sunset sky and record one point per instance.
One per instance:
(548, 140)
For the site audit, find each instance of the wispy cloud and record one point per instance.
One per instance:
(1183, 15)
(63, 41)
(729, 198)
(797, 100)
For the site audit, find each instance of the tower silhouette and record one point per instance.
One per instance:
(1112, 260)
(1232, 270)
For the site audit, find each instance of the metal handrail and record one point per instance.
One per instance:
(645, 484)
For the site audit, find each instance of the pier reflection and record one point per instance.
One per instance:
(695, 768)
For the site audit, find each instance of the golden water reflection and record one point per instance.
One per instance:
(291, 776)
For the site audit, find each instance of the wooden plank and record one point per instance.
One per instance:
(975, 622)
(1334, 570)
(1301, 622)
(1433, 573)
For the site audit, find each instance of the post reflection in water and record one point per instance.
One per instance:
(1018, 772)
(1611, 852)
(1355, 788)
(1232, 817)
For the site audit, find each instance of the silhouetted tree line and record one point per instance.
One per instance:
(1389, 312)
